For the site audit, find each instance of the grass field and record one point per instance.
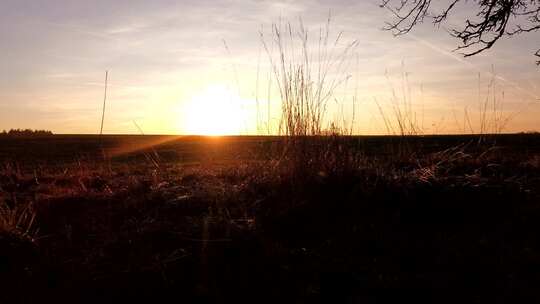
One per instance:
(233, 219)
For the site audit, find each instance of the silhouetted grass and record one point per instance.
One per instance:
(307, 74)
(227, 226)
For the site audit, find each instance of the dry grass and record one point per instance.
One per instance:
(403, 117)
(230, 229)
(306, 79)
(307, 75)
(18, 220)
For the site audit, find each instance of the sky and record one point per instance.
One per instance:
(200, 66)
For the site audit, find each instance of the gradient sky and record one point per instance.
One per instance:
(167, 62)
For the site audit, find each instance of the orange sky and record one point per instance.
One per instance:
(171, 72)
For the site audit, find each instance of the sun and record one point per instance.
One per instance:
(217, 110)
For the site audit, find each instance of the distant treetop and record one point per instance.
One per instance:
(26, 132)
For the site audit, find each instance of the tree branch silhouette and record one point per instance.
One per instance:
(492, 20)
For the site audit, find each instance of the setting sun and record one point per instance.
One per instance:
(217, 110)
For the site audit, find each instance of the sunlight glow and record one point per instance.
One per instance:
(216, 111)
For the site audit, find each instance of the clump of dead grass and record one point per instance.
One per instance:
(307, 75)
(18, 220)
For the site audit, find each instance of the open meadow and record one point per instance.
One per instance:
(380, 151)
(222, 219)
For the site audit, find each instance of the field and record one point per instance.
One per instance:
(444, 219)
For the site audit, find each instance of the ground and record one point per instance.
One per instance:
(260, 219)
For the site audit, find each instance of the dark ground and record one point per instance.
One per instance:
(439, 219)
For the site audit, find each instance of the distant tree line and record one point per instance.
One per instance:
(26, 132)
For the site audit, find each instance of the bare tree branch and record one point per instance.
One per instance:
(492, 20)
